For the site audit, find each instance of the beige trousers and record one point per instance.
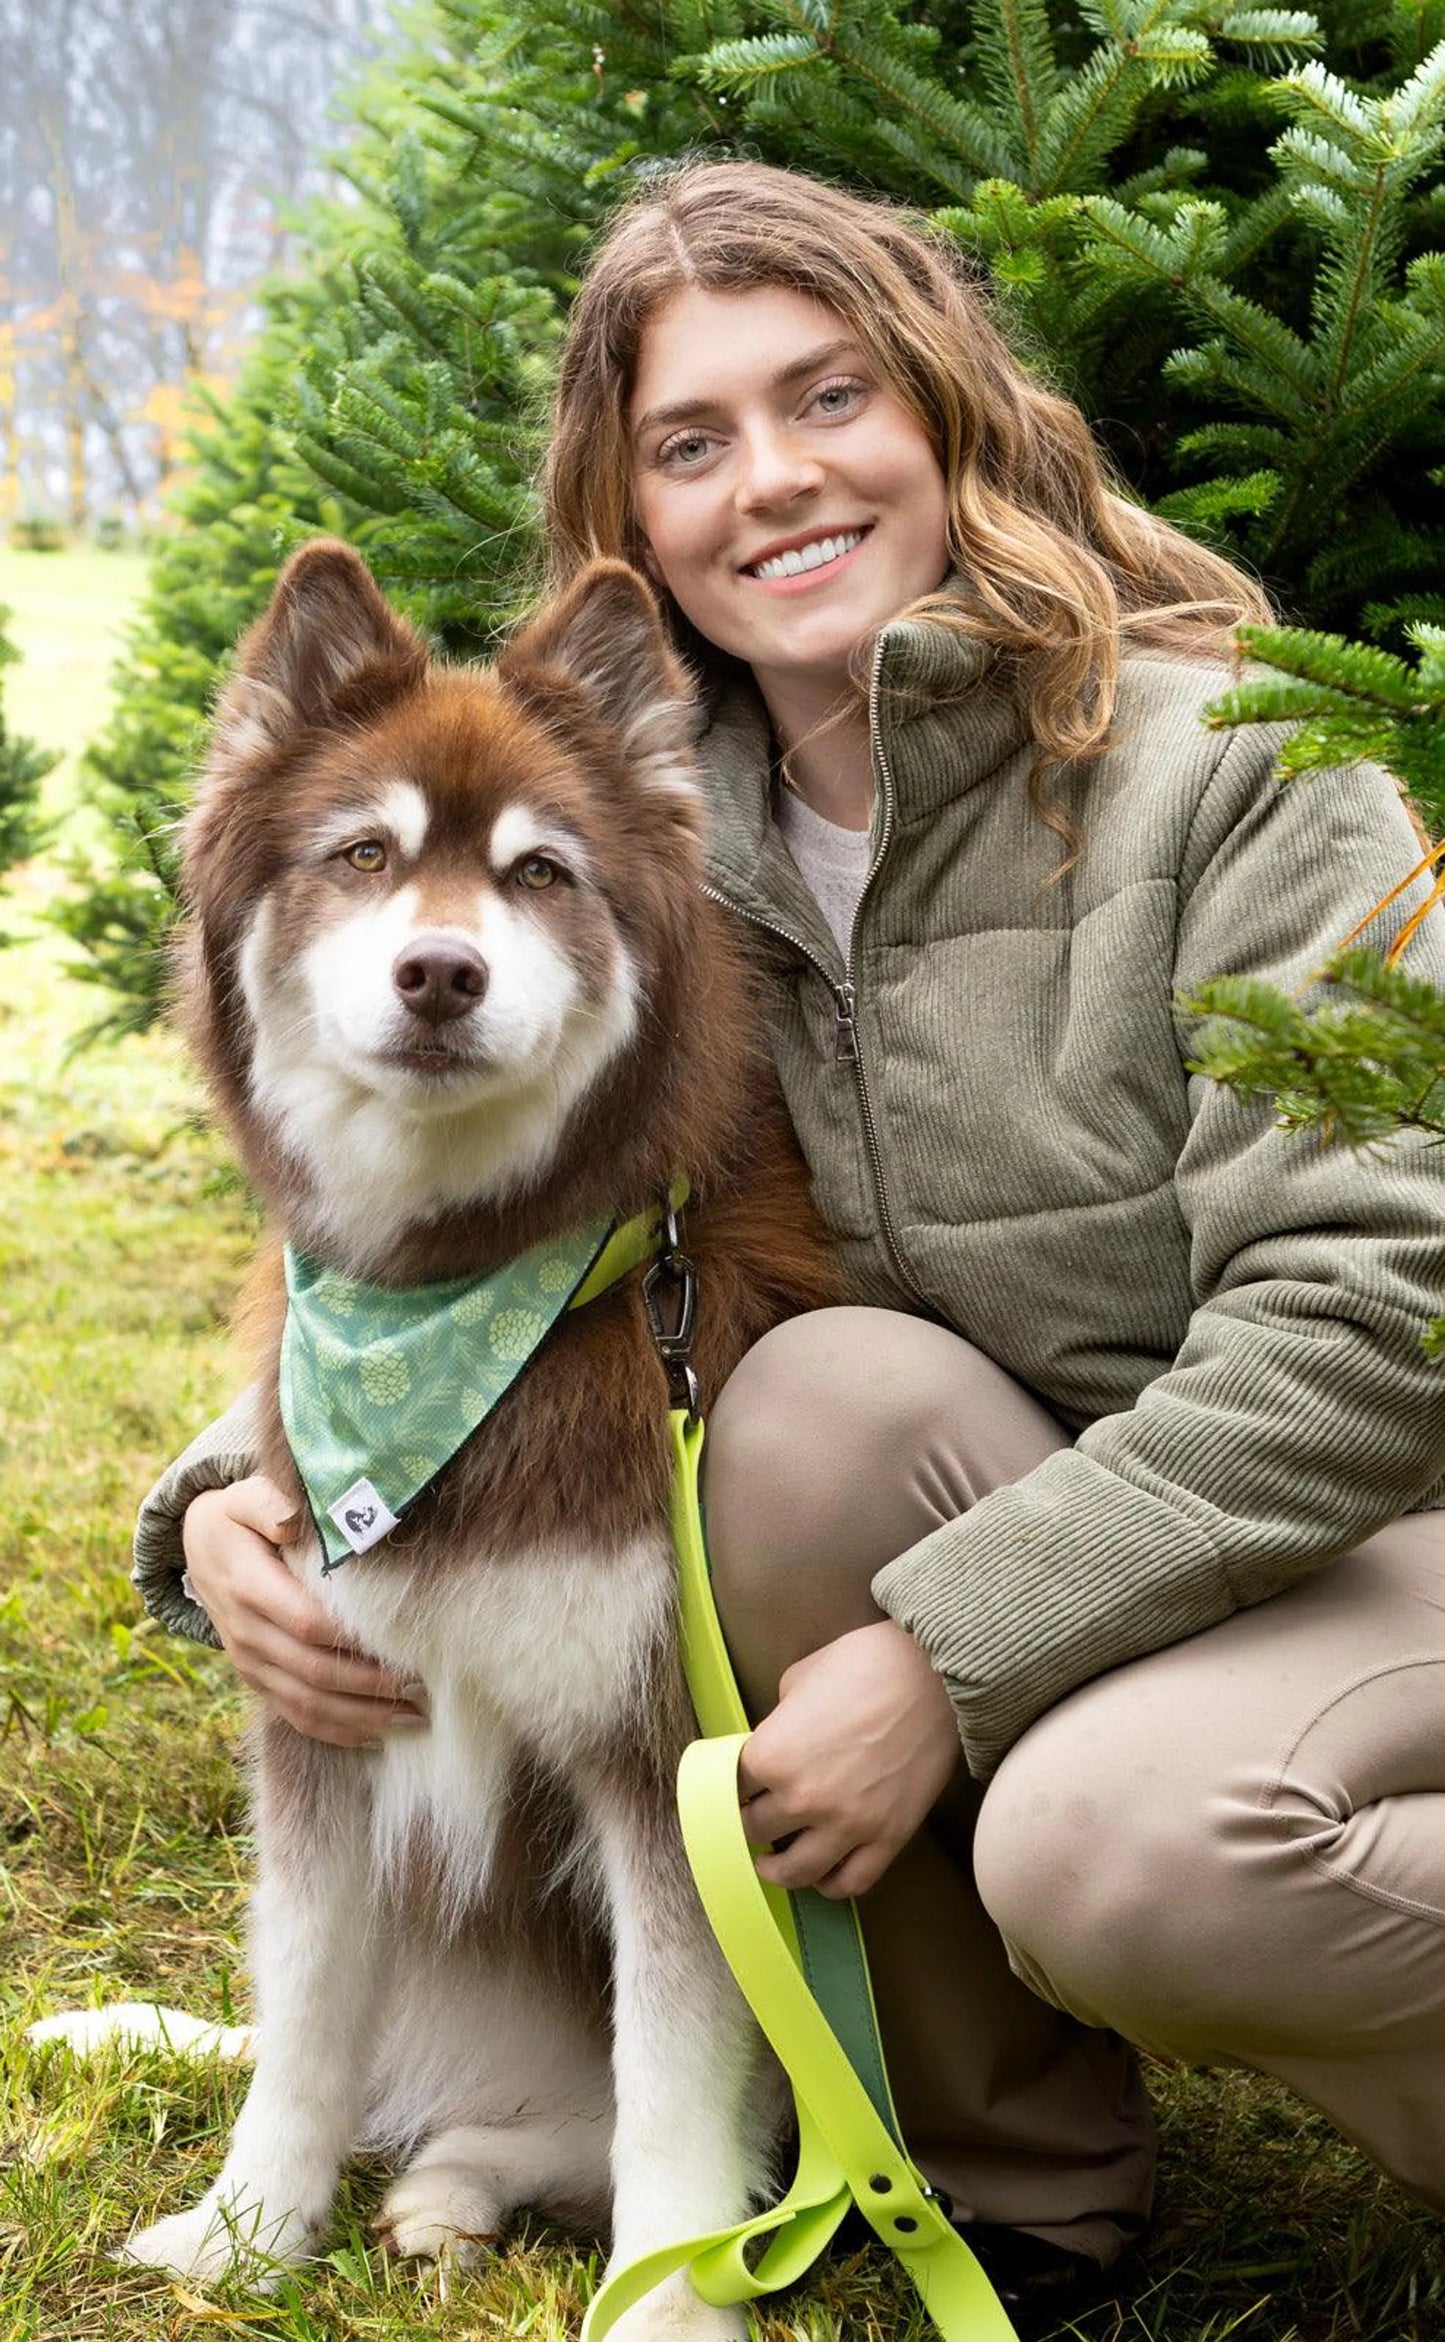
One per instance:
(1230, 1852)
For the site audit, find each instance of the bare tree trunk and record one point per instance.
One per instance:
(70, 269)
(166, 135)
(112, 425)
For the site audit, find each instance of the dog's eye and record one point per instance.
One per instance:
(368, 854)
(536, 872)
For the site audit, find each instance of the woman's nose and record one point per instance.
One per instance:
(775, 468)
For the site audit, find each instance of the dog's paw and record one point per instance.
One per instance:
(437, 2209)
(672, 2312)
(215, 2239)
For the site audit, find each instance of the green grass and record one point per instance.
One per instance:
(123, 1853)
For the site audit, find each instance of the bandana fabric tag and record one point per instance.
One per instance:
(379, 1389)
(361, 1517)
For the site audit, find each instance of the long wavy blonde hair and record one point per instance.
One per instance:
(1056, 564)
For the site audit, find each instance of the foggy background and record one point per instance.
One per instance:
(149, 151)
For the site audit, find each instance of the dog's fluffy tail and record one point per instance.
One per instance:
(143, 2024)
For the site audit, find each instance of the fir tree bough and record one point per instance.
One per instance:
(23, 766)
(1365, 1057)
(1322, 402)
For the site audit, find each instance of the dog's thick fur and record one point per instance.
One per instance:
(448, 1929)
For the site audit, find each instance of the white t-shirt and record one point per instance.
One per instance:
(834, 862)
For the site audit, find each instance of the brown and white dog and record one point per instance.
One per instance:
(457, 989)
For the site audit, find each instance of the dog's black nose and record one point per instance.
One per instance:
(439, 978)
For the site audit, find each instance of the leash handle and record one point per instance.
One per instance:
(835, 2108)
(846, 2154)
(880, 2177)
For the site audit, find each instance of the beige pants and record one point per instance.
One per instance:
(1232, 1851)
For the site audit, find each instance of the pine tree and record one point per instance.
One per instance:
(246, 500)
(23, 766)
(1363, 1055)
(1320, 407)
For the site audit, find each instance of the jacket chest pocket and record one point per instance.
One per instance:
(1023, 1071)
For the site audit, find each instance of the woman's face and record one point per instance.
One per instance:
(761, 429)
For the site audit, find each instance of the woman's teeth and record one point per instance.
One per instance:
(809, 556)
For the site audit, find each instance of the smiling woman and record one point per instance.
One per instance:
(727, 439)
(729, 286)
(838, 448)
(1083, 1574)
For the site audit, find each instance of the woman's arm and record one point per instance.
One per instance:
(1301, 1413)
(209, 1563)
(222, 1454)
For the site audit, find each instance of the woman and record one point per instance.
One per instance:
(1113, 1479)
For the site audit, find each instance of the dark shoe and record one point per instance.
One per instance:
(1042, 2286)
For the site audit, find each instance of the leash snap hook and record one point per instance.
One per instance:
(669, 1293)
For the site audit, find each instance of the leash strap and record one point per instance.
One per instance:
(793, 1956)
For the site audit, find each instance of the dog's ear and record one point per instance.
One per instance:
(327, 648)
(605, 636)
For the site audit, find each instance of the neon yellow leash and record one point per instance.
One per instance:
(784, 1951)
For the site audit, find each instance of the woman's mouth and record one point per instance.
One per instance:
(812, 563)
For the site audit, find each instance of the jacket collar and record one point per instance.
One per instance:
(943, 721)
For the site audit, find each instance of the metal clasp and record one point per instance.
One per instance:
(669, 1293)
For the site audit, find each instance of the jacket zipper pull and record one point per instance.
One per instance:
(845, 1008)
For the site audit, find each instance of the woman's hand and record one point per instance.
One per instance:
(281, 1641)
(860, 1745)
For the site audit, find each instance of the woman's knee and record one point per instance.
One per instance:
(805, 1484)
(854, 1432)
(842, 1438)
(1132, 1902)
(1169, 1853)
(817, 1402)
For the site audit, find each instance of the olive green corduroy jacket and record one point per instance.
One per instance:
(994, 1099)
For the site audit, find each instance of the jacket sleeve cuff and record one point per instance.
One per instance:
(224, 1451)
(1014, 1606)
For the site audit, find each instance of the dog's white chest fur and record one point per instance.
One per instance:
(539, 1653)
(549, 1639)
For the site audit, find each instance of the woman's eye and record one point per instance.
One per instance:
(687, 452)
(841, 393)
(536, 872)
(368, 854)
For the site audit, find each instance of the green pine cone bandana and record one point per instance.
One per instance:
(379, 1389)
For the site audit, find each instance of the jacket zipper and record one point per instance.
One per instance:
(846, 1047)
